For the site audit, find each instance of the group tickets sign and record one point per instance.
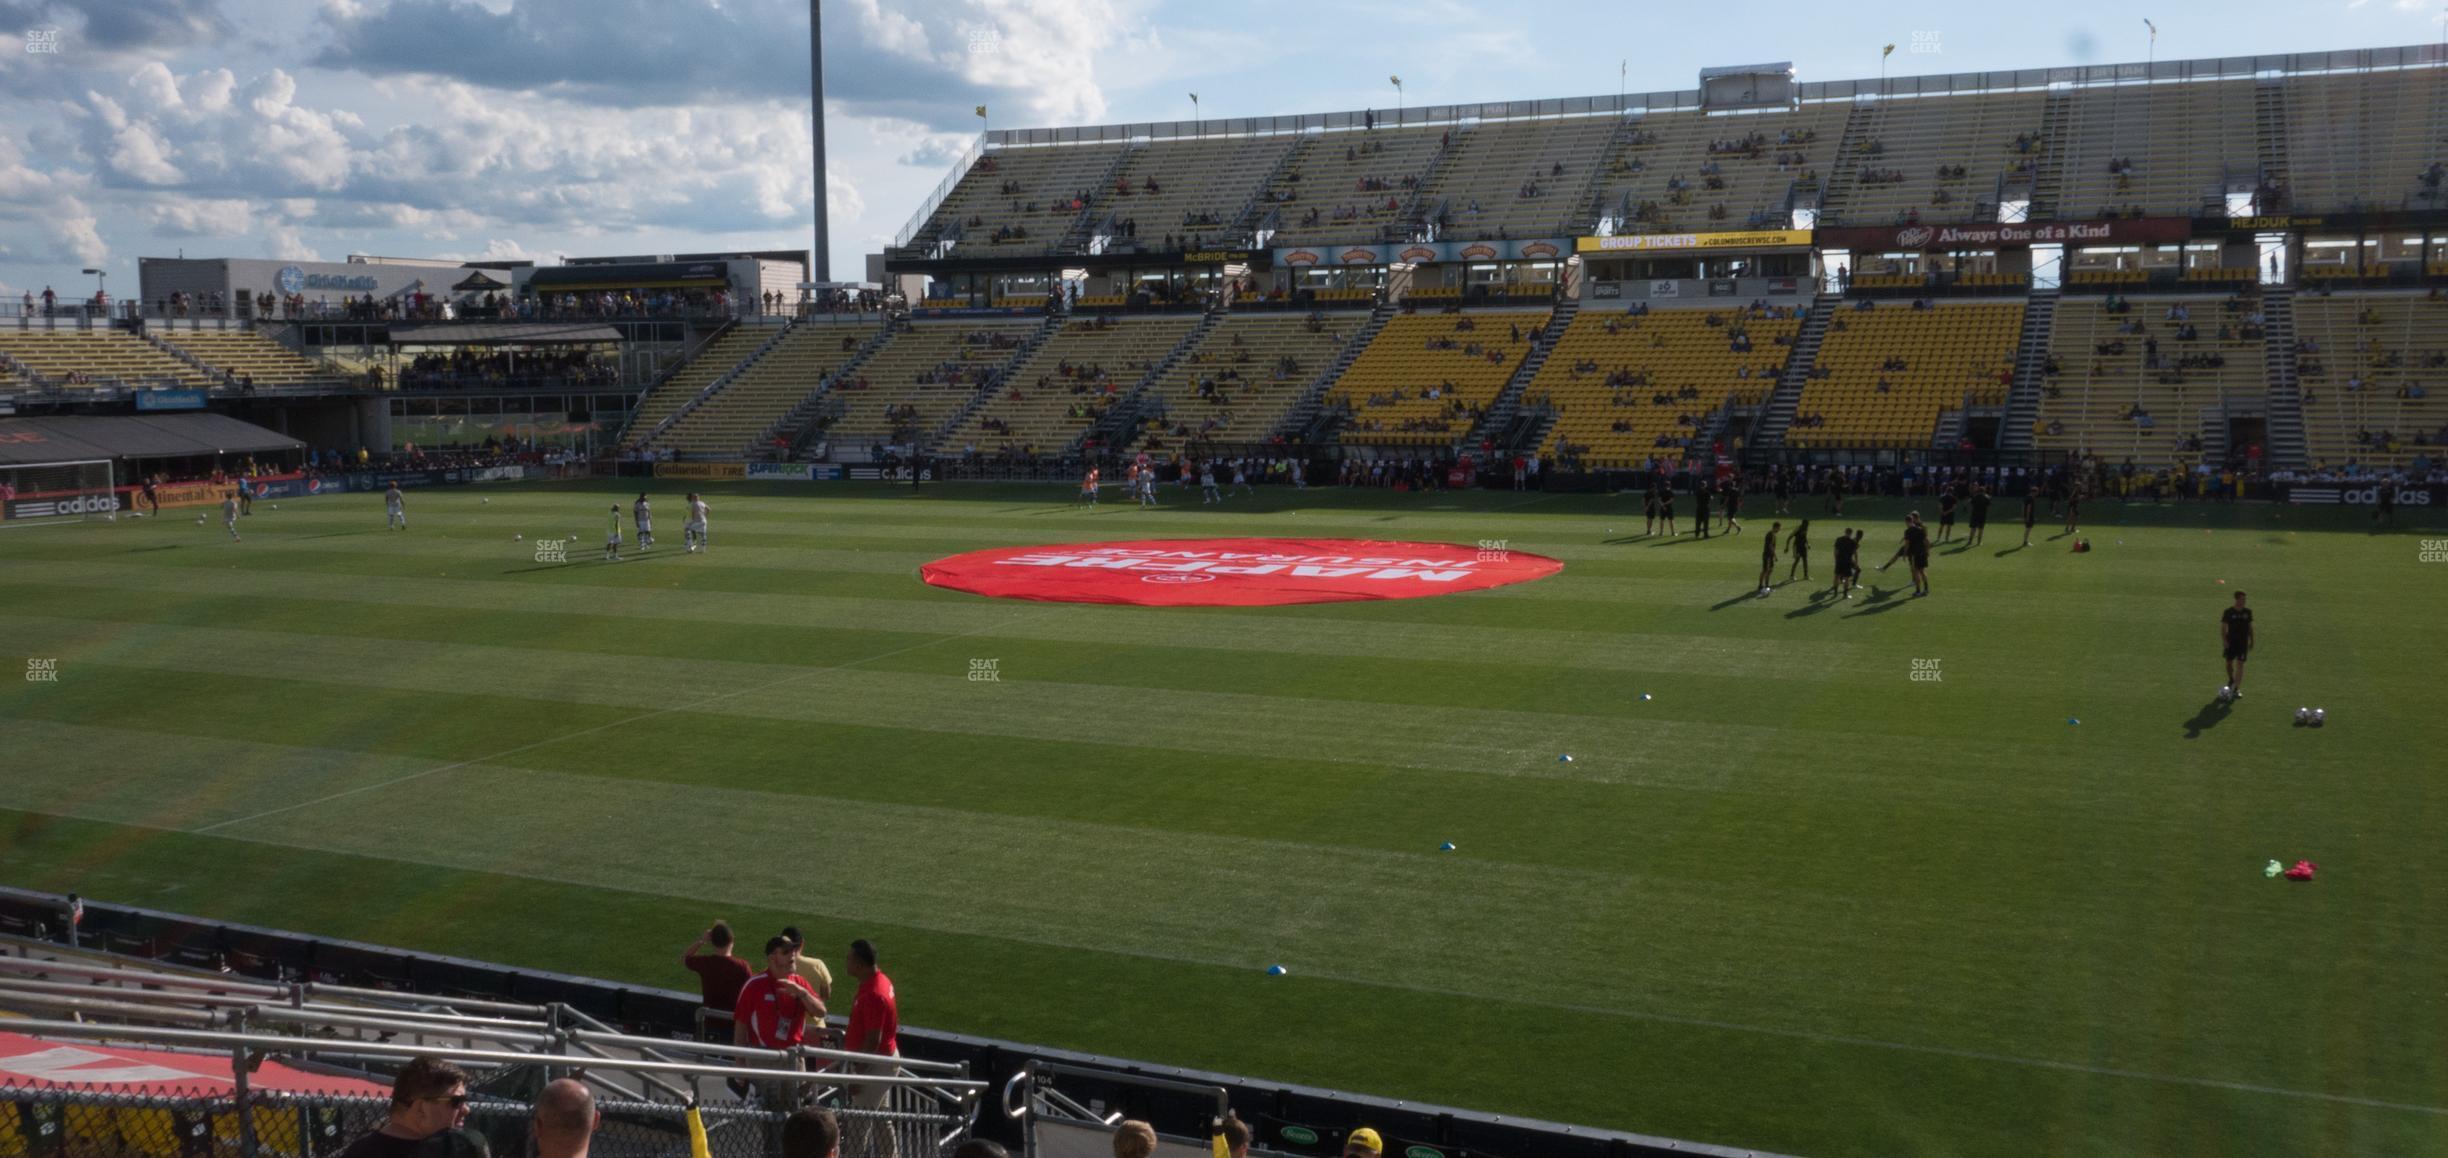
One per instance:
(1234, 572)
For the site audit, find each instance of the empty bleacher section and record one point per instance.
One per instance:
(1426, 378)
(2364, 359)
(1014, 202)
(2132, 384)
(1682, 171)
(249, 355)
(1349, 186)
(1242, 379)
(2367, 140)
(926, 373)
(1931, 158)
(1628, 388)
(109, 358)
(1054, 396)
(1517, 179)
(2168, 148)
(1187, 188)
(725, 351)
(767, 387)
(1884, 375)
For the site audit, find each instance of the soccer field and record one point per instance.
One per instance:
(1783, 894)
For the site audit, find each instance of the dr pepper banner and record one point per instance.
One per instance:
(1995, 235)
(1234, 572)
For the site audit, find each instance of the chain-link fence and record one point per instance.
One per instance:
(56, 1122)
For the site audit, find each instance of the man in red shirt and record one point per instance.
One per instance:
(719, 974)
(875, 1027)
(774, 1006)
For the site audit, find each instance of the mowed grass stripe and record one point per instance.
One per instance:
(1653, 1075)
(1594, 644)
(1460, 739)
(1785, 811)
(1748, 957)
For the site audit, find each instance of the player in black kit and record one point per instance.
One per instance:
(2236, 640)
(2031, 511)
(1799, 547)
(1946, 512)
(1916, 547)
(1980, 514)
(1700, 512)
(1848, 561)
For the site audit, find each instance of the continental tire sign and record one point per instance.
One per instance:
(701, 470)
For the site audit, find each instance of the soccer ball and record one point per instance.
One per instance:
(2226, 693)
(518, 538)
(2303, 715)
(486, 500)
(2319, 716)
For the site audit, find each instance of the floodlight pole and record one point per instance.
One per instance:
(823, 255)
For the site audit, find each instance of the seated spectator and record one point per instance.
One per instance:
(428, 1097)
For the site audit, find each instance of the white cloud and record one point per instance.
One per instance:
(283, 243)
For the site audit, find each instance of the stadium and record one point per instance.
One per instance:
(1454, 630)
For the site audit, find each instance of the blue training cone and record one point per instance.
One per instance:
(1566, 758)
(2072, 720)
(1276, 971)
(1446, 847)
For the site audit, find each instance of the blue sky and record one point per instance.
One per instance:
(319, 128)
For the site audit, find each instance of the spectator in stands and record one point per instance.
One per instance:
(428, 1097)
(565, 1119)
(875, 1027)
(719, 974)
(812, 1133)
(808, 966)
(1363, 1143)
(774, 1006)
(1134, 1139)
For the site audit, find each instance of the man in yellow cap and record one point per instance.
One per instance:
(1363, 1143)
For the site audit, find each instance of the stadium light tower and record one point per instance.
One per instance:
(823, 255)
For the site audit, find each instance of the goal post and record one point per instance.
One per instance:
(37, 494)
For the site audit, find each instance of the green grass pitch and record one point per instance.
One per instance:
(1797, 900)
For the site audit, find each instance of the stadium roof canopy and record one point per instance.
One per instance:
(502, 333)
(75, 437)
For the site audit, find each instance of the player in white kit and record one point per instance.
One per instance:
(394, 503)
(612, 537)
(229, 515)
(645, 523)
(693, 528)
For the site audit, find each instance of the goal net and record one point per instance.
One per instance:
(32, 494)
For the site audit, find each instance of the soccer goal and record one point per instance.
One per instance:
(34, 494)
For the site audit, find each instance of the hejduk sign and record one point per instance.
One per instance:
(1233, 572)
(2114, 231)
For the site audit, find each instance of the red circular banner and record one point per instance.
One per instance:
(1234, 572)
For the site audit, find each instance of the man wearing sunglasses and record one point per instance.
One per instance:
(428, 1097)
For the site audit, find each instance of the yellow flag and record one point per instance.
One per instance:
(981, 110)
(697, 1138)
(1887, 52)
